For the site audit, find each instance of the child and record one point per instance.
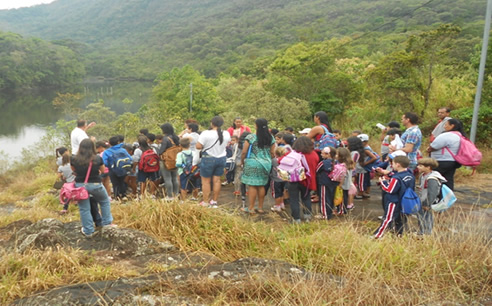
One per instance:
(231, 155)
(240, 188)
(326, 186)
(430, 187)
(338, 137)
(287, 141)
(59, 155)
(184, 163)
(385, 139)
(394, 186)
(364, 177)
(344, 157)
(65, 172)
(278, 139)
(100, 147)
(131, 178)
(277, 185)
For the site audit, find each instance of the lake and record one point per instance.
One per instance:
(25, 116)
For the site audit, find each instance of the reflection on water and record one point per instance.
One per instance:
(25, 115)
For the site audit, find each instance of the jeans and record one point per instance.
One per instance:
(170, 181)
(99, 193)
(426, 221)
(212, 166)
(298, 192)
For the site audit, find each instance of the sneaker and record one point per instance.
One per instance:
(350, 206)
(110, 226)
(85, 235)
(204, 204)
(282, 205)
(358, 197)
(276, 208)
(193, 199)
(224, 183)
(380, 217)
(213, 204)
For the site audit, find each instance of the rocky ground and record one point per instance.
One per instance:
(136, 249)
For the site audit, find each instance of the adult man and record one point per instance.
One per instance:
(443, 114)
(79, 133)
(412, 138)
(119, 162)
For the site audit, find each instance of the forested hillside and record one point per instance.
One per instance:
(142, 38)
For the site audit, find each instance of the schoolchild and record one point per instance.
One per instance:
(430, 187)
(144, 176)
(394, 138)
(65, 173)
(231, 154)
(101, 146)
(184, 163)
(364, 177)
(158, 141)
(151, 141)
(131, 178)
(326, 186)
(278, 186)
(239, 187)
(278, 139)
(344, 157)
(356, 148)
(338, 137)
(287, 141)
(394, 185)
(59, 155)
(385, 139)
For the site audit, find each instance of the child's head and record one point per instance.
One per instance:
(356, 132)
(427, 164)
(129, 148)
(234, 139)
(338, 134)
(60, 151)
(158, 138)
(101, 145)
(274, 131)
(364, 138)
(280, 151)
(66, 157)
(289, 130)
(151, 137)
(328, 153)
(400, 163)
(278, 137)
(393, 124)
(393, 132)
(288, 139)
(185, 143)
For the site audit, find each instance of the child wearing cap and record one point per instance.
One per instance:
(364, 177)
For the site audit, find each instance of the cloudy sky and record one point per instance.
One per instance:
(8, 4)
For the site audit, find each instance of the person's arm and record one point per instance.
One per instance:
(408, 148)
(245, 151)
(315, 131)
(371, 155)
(272, 151)
(433, 188)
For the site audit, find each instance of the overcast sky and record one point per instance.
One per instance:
(8, 4)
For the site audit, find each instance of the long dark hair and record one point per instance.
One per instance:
(87, 152)
(168, 130)
(457, 126)
(262, 133)
(218, 121)
(323, 119)
(142, 143)
(355, 144)
(303, 144)
(234, 122)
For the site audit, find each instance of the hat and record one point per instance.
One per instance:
(305, 131)
(326, 150)
(397, 153)
(363, 137)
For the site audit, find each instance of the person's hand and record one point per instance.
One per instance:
(425, 208)
(93, 123)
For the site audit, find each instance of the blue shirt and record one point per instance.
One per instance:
(412, 135)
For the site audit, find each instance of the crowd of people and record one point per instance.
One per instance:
(317, 165)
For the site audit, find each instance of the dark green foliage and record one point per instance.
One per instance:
(484, 127)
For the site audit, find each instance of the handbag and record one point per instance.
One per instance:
(69, 192)
(338, 199)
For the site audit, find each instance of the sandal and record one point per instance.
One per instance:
(245, 209)
(260, 211)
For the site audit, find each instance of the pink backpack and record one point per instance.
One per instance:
(468, 154)
(338, 173)
(293, 167)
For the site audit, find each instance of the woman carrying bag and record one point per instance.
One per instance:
(87, 166)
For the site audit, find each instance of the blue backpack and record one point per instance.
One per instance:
(375, 163)
(187, 164)
(122, 162)
(327, 140)
(410, 201)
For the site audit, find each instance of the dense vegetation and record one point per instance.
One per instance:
(31, 62)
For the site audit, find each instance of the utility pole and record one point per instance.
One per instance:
(191, 93)
(481, 71)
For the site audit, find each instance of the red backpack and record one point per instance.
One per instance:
(149, 161)
(468, 154)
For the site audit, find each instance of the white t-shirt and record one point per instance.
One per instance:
(76, 138)
(447, 139)
(194, 139)
(208, 140)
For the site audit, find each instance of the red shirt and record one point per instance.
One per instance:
(312, 160)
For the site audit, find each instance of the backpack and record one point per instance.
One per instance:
(447, 199)
(169, 156)
(122, 162)
(291, 169)
(187, 164)
(326, 140)
(410, 201)
(468, 154)
(149, 161)
(374, 164)
(338, 173)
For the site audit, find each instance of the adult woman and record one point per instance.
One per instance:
(256, 158)
(321, 120)
(213, 144)
(85, 158)
(299, 191)
(170, 175)
(238, 128)
(441, 146)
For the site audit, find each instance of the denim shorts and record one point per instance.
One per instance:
(212, 166)
(142, 177)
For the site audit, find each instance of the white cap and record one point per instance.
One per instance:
(305, 131)
(397, 153)
(363, 137)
